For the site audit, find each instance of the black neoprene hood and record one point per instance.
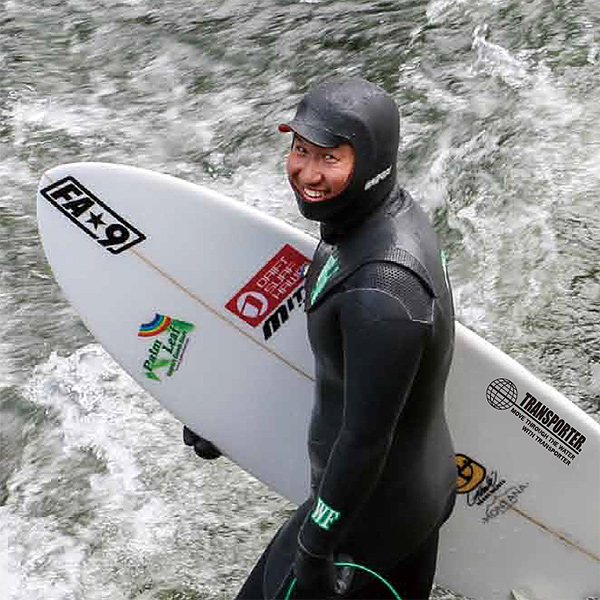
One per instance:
(353, 110)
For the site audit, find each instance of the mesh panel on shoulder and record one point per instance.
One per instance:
(399, 282)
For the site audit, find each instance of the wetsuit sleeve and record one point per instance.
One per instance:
(382, 346)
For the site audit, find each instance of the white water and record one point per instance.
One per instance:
(500, 123)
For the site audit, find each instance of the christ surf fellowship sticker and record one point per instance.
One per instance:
(169, 340)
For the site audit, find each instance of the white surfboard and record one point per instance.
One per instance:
(200, 299)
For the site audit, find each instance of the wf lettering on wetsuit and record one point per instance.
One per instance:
(324, 516)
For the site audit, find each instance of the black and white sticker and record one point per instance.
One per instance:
(92, 215)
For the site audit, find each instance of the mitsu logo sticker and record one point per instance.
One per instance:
(170, 338)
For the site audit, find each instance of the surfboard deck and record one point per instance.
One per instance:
(199, 298)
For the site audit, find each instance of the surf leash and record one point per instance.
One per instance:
(395, 594)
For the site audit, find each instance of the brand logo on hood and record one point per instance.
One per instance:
(378, 178)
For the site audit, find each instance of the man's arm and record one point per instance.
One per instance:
(382, 345)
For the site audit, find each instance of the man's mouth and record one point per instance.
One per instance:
(313, 195)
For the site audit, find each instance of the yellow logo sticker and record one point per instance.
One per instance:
(470, 473)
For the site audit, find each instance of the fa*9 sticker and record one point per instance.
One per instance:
(92, 215)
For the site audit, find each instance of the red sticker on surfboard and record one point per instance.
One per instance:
(270, 286)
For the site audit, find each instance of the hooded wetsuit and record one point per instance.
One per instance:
(381, 327)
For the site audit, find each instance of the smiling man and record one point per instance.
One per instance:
(381, 327)
(318, 174)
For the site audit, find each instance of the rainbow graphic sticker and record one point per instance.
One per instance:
(155, 327)
(165, 351)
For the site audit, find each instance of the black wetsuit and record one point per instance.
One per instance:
(381, 326)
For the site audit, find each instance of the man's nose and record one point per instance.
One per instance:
(311, 173)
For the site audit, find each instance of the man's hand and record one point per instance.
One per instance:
(315, 575)
(202, 447)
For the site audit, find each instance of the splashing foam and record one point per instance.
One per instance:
(109, 504)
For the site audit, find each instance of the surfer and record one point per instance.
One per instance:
(381, 327)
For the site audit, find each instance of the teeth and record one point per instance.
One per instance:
(313, 194)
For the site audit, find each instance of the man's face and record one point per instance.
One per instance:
(317, 173)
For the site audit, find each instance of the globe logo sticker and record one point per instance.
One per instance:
(501, 394)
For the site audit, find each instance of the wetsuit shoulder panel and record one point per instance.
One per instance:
(399, 282)
(404, 238)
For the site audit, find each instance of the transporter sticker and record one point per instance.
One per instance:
(485, 489)
(273, 293)
(91, 215)
(170, 339)
(551, 431)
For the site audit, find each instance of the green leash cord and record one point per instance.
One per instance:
(353, 566)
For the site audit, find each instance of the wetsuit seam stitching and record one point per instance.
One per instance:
(303, 547)
(408, 312)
